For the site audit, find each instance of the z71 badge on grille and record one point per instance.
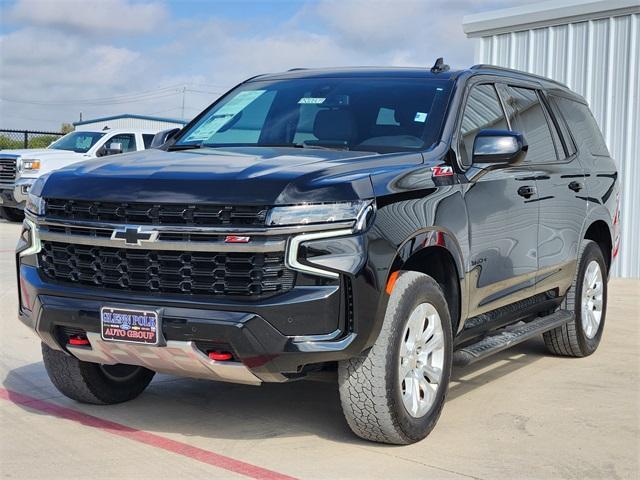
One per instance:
(134, 235)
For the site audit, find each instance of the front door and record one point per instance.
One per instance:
(503, 214)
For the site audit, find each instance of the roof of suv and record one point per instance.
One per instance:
(409, 72)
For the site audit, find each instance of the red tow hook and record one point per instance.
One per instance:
(220, 356)
(78, 340)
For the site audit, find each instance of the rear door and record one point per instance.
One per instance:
(503, 213)
(560, 184)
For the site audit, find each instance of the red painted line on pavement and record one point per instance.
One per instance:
(151, 439)
(12, 250)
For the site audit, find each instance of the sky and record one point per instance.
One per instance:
(63, 58)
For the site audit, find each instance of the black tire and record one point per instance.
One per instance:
(370, 388)
(12, 214)
(571, 340)
(92, 383)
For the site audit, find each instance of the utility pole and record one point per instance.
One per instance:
(80, 116)
(184, 90)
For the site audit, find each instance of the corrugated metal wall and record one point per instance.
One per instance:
(600, 59)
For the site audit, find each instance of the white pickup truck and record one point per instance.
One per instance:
(20, 168)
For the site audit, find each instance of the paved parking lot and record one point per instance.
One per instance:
(521, 414)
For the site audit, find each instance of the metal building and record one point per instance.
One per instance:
(594, 48)
(129, 120)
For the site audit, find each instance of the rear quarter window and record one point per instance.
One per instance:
(583, 126)
(147, 138)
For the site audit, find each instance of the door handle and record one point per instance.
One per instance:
(575, 186)
(527, 191)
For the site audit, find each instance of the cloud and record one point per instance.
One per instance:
(90, 17)
(63, 51)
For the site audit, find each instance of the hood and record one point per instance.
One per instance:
(39, 153)
(247, 175)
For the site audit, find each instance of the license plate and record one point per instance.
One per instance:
(124, 325)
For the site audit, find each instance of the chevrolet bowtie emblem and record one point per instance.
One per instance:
(134, 235)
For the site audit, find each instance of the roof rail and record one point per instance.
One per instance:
(296, 69)
(487, 66)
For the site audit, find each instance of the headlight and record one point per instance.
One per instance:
(35, 204)
(28, 165)
(317, 213)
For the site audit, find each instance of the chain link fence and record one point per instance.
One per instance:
(26, 139)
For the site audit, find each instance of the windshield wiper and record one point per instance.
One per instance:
(302, 145)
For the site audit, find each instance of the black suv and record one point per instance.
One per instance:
(387, 223)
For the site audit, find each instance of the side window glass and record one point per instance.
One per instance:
(569, 146)
(147, 138)
(531, 121)
(583, 126)
(481, 111)
(127, 140)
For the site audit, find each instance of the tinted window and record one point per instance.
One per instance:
(79, 142)
(531, 121)
(147, 138)
(569, 146)
(127, 140)
(371, 114)
(481, 111)
(583, 126)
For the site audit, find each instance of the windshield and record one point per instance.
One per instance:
(370, 114)
(80, 142)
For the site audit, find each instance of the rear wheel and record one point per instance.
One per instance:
(12, 214)
(394, 392)
(587, 299)
(93, 383)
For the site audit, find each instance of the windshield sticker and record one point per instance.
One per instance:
(311, 100)
(223, 115)
(239, 102)
(420, 117)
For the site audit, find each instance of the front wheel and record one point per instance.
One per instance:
(394, 392)
(93, 383)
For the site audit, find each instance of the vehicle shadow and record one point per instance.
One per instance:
(200, 408)
(466, 379)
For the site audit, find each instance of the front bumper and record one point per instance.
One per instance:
(251, 331)
(15, 195)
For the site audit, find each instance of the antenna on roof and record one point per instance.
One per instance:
(439, 66)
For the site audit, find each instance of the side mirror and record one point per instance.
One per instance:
(163, 137)
(114, 148)
(499, 147)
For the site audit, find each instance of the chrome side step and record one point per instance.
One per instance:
(177, 358)
(509, 336)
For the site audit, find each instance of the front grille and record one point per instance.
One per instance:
(156, 214)
(7, 169)
(161, 271)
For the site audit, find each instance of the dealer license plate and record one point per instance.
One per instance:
(124, 325)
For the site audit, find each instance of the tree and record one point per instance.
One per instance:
(67, 127)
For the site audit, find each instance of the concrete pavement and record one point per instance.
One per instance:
(520, 414)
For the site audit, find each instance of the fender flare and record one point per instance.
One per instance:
(420, 240)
